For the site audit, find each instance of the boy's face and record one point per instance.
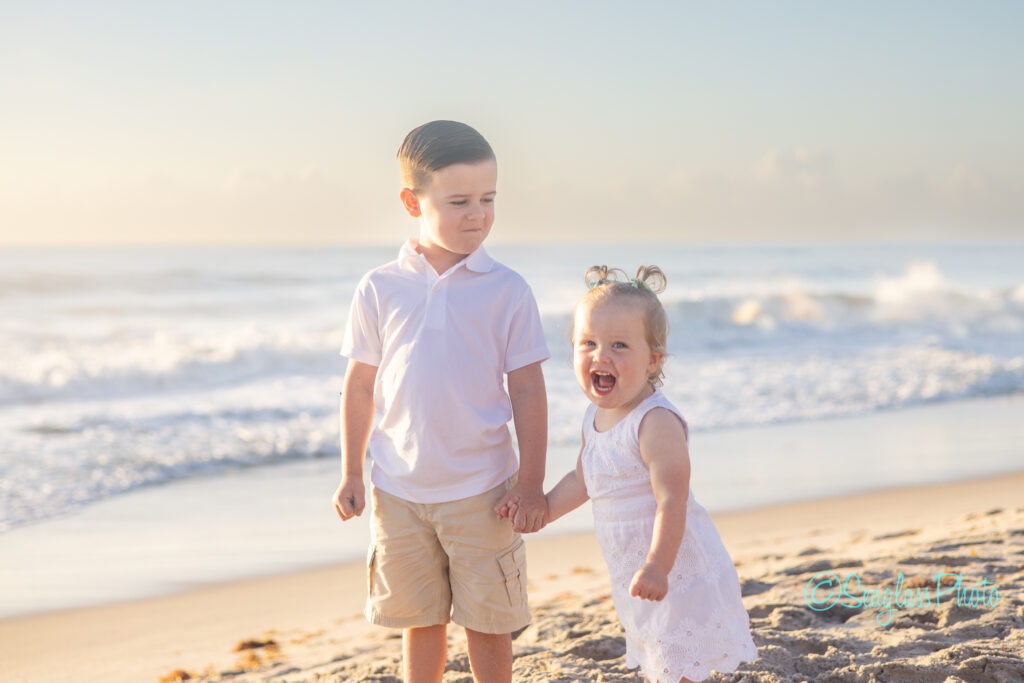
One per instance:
(456, 209)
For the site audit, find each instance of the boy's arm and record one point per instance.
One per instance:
(663, 449)
(356, 421)
(530, 413)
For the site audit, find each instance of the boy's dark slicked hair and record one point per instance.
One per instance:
(435, 145)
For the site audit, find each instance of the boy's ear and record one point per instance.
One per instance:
(410, 202)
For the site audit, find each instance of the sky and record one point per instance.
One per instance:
(272, 122)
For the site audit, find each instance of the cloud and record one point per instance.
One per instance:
(967, 181)
(800, 166)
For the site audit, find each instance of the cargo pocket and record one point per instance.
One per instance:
(513, 567)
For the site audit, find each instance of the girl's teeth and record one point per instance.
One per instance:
(603, 383)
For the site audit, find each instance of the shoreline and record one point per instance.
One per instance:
(264, 521)
(316, 614)
(735, 524)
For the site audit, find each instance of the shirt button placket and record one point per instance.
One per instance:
(437, 303)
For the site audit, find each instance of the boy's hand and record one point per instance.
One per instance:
(649, 583)
(350, 498)
(525, 506)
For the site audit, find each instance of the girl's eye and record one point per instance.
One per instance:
(618, 345)
(459, 202)
(488, 200)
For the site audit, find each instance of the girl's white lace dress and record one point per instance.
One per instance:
(701, 624)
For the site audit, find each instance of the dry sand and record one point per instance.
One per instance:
(973, 530)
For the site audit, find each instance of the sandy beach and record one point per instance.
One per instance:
(307, 626)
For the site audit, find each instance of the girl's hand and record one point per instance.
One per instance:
(509, 509)
(649, 583)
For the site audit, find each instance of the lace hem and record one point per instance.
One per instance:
(693, 656)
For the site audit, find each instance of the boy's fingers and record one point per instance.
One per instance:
(349, 507)
(510, 510)
(525, 523)
(504, 503)
(519, 520)
(507, 509)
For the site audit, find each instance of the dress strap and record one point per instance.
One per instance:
(656, 400)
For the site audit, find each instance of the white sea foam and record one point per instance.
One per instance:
(129, 368)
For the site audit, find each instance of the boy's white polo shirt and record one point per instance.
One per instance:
(442, 345)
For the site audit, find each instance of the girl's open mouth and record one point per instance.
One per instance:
(602, 382)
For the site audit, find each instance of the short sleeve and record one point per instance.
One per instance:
(362, 333)
(526, 342)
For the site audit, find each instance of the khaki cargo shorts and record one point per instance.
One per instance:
(431, 563)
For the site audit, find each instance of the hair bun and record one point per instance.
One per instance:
(599, 275)
(653, 278)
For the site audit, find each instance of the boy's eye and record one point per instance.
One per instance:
(459, 202)
(488, 200)
(619, 345)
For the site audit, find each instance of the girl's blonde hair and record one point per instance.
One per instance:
(607, 284)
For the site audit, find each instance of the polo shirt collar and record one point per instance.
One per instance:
(479, 261)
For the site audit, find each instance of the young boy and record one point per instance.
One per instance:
(429, 339)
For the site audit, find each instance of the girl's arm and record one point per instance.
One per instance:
(568, 494)
(663, 449)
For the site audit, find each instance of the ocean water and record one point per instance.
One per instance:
(129, 367)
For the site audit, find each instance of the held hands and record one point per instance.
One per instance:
(525, 506)
(507, 510)
(649, 583)
(350, 498)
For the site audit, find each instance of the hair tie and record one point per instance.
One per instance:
(635, 282)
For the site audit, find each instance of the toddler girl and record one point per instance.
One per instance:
(675, 589)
